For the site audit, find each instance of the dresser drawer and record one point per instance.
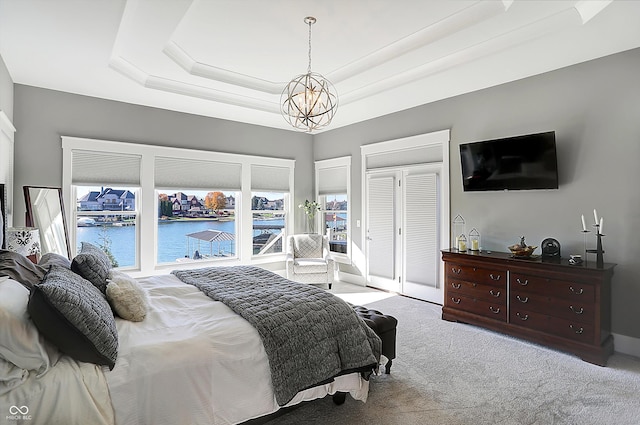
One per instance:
(476, 274)
(565, 328)
(556, 307)
(492, 293)
(493, 310)
(574, 291)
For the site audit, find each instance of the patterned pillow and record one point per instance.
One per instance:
(72, 314)
(92, 264)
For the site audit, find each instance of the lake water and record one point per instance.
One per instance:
(172, 239)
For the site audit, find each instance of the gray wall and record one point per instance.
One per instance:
(41, 116)
(6, 90)
(594, 108)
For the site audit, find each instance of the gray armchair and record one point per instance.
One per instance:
(309, 259)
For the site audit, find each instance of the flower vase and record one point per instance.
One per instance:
(311, 225)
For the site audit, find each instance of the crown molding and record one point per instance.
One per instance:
(553, 23)
(134, 73)
(193, 67)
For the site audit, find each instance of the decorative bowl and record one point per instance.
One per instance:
(521, 251)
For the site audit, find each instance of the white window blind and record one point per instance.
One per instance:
(181, 173)
(396, 158)
(333, 180)
(102, 168)
(421, 228)
(270, 178)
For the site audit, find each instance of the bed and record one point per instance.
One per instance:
(191, 359)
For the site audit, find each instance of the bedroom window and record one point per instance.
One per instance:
(270, 187)
(269, 221)
(107, 217)
(180, 205)
(333, 192)
(334, 211)
(196, 225)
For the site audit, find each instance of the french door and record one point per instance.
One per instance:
(403, 231)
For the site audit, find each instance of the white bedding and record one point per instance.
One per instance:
(192, 360)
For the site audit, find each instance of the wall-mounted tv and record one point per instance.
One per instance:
(514, 163)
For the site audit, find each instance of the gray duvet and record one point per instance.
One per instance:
(309, 334)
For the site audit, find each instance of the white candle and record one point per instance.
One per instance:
(462, 246)
(600, 228)
(474, 244)
(595, 216)
(584, 227)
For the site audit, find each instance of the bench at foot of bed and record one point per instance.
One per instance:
(385, 327)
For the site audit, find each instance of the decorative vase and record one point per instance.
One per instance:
(311, 224)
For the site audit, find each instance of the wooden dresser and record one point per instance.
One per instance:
(554, 304)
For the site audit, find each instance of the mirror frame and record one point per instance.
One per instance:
(3, 217)
(29, 219)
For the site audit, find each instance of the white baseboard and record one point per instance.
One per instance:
(626, 345)
(356, 279)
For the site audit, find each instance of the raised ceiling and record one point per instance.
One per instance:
(231, 59)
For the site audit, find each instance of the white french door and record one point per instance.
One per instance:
(403, 231)
(382, 226)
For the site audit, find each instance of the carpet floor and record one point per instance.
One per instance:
(456, 374)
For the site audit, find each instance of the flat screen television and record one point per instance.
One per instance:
(514, 163)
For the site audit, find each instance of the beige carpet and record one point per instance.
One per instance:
(450, 373)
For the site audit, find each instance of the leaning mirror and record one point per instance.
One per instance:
(45, 210)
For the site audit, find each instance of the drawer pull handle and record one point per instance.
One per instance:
(495, 277)
(525, 317)
(493, 310)
(579, 331)
(525, 283)
(577, 311)
(456, 271)
(456, 285)
(455, 301)
(495, 294)
(522, 300)
(580, 292)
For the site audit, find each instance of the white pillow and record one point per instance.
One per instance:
(127, 297)
(20, 341)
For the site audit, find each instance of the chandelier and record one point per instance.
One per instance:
(309, 101)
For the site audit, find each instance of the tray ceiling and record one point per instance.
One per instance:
(231, 59)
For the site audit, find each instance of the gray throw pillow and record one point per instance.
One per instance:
(51, 258)
(75, 316)
(93, 264)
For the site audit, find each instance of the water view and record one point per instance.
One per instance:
(173, 244)
(196, 225)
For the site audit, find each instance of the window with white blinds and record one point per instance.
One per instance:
(333, 180)
(90, 167)
(333, 190)
(270, 178)
(183, 173)
(142, 190)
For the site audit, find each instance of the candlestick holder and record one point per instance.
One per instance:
(599, 251)
(584, 237)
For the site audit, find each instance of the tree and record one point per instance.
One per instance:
(105, 245)
(165, 207)
(215, 201)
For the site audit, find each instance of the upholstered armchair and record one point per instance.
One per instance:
(309, 259)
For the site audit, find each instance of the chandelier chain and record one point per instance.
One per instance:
(309, 67)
